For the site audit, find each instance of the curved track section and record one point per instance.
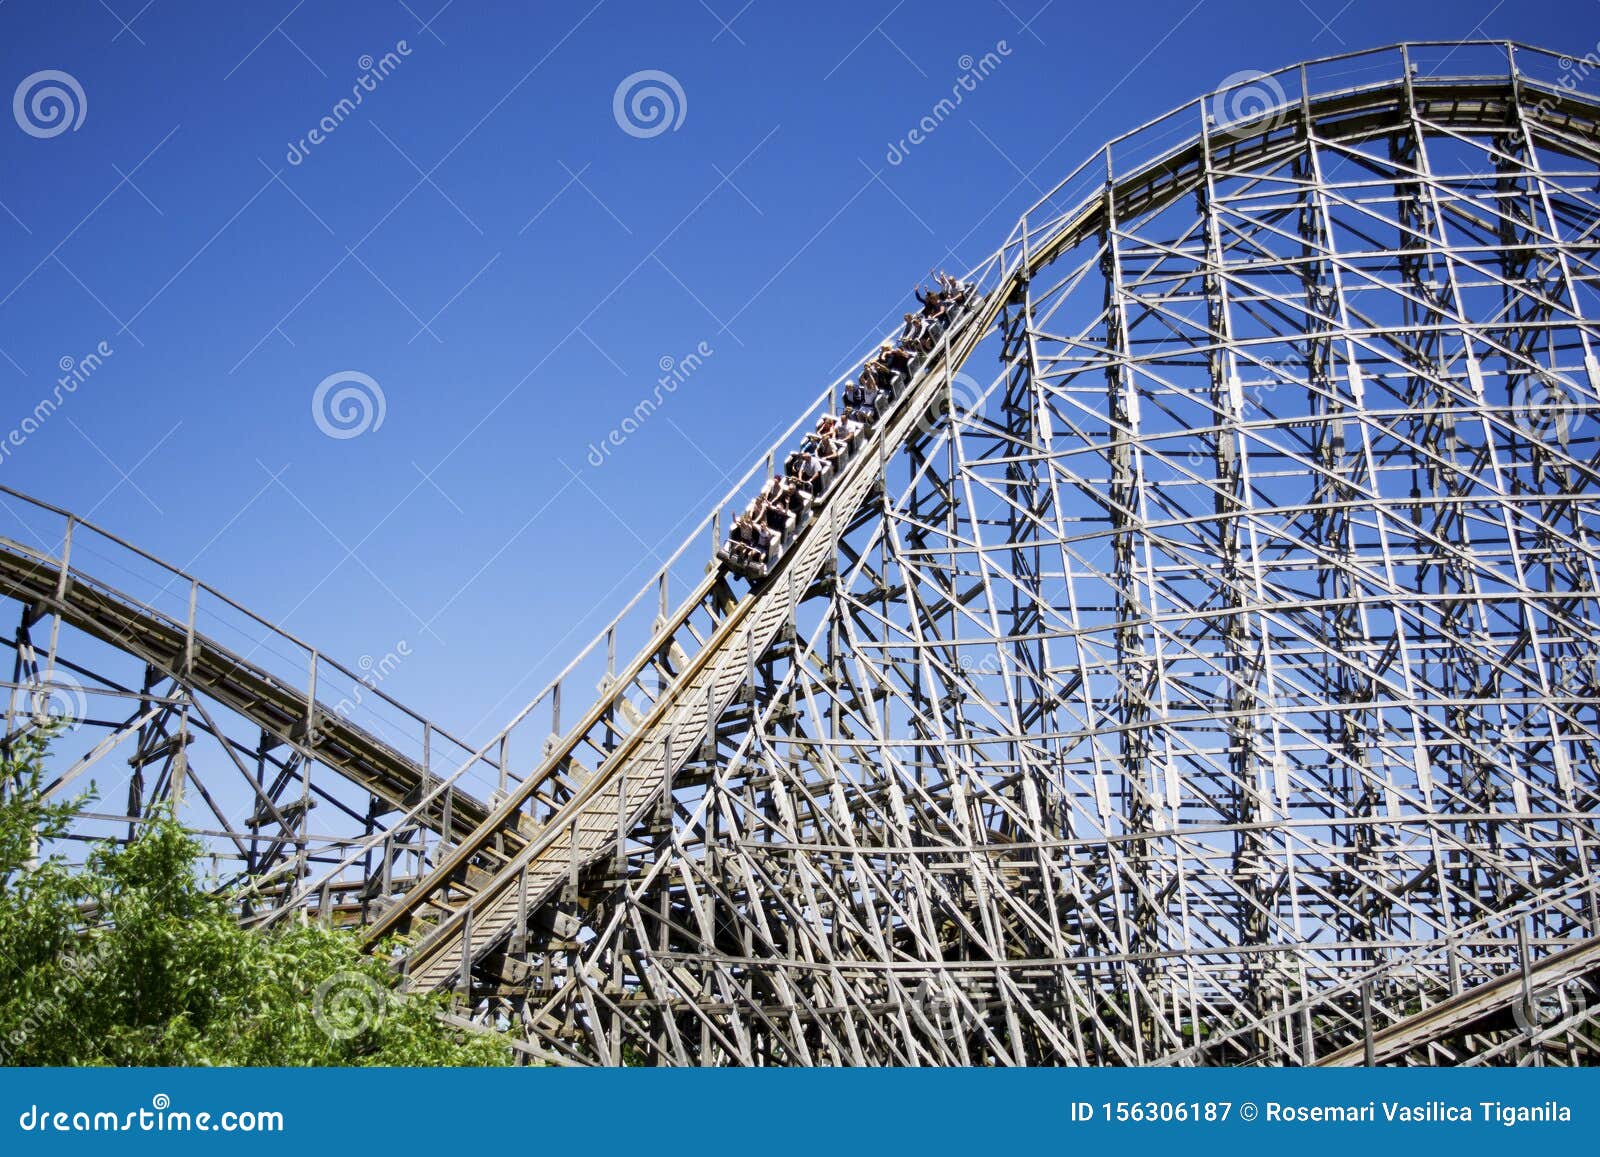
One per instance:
(1213, 684)
(1213, 681)
(637, 769)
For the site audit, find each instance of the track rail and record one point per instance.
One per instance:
(642, 767)
(47, 583)
(1459, 1013)
(481, 893)
(591, 784)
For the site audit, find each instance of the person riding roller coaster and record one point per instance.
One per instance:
(762, 532)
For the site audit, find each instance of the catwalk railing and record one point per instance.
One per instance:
(129, 599)
(707, 648)
(1144, 161)
(693, 630)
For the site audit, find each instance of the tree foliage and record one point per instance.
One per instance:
(128, 959)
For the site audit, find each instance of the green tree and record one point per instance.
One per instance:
(128, 959)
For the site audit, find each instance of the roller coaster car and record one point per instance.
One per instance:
(816, 477)
(747, 560)
(815, 472)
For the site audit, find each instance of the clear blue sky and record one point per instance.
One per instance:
(485, 241)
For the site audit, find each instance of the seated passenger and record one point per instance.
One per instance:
(771, 516)
(777, 494)
(750, 532)
(737, 554)
(858, 403)
(838, 427)
(790, 497)
(809, 476)
(875, 376)
(747, 558)
(956, 290)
